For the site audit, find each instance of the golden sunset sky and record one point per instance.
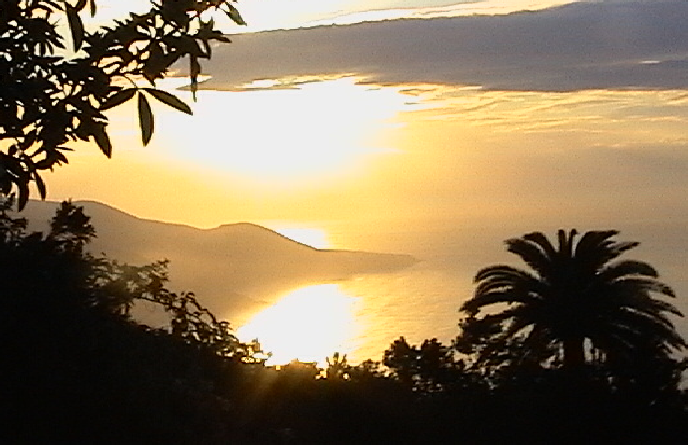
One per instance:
(574, 112)
(466, 114)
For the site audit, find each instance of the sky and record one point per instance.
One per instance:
(491, 117)
(480, 115)
(262, 15)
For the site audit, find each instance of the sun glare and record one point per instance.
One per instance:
(308, 324)
(290, 136)
(306, 235)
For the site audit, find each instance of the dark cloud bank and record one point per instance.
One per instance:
(578, 46)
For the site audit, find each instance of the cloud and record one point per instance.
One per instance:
(392, 10)
(574, 47)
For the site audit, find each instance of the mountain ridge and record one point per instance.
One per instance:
(234, 269)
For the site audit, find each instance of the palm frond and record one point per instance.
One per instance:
(502, 272)
(639, 285)
(541, 240)
(591, 240)
(503, 296)
(664, 306)
(497, 285)
(619, 248)
(623, 268)
(517, 282)
(566, 242)
(518, 324)
(648, 326)
(576, 291)
(596, 248)
(654, 308)
(532, 254)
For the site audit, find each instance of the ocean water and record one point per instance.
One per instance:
(422, 302)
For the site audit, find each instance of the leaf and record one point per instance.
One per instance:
(221, 38)
(154, 67)
(103, 140)
(118, 98)
(92, 5)
(207, 49)
(195, 67)
(23, 187)
(40, 185)
(53, 5)
(5, 182)
(234, 15)
(146, 121)
(194, 71)
(81, 4)
(60, 157)
(75, 26)
(169, 99)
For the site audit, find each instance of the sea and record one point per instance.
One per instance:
(366, 313)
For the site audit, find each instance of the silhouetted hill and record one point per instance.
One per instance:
(234, 269)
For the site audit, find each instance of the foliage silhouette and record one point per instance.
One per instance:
(52, 96)
(365, 371)
(104, 284)
(337, 367)
(73, 345)
(402, 358)
(576, 306)
(82, 370)
(432, 368)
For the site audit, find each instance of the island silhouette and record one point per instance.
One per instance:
(235, 269)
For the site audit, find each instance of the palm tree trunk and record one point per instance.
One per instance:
(574, 353)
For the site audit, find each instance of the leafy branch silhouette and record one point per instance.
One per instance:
(52, 97)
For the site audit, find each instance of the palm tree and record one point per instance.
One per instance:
(575, 294)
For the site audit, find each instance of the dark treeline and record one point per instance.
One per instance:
(548, 364)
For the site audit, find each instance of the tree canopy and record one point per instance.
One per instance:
(53, 95)
(82, 369)
(577, 304)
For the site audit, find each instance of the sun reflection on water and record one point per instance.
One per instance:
(308, 324)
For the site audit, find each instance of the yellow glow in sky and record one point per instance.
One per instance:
(309, 324)
(286, 137)
(305, 235)
(467, 151)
